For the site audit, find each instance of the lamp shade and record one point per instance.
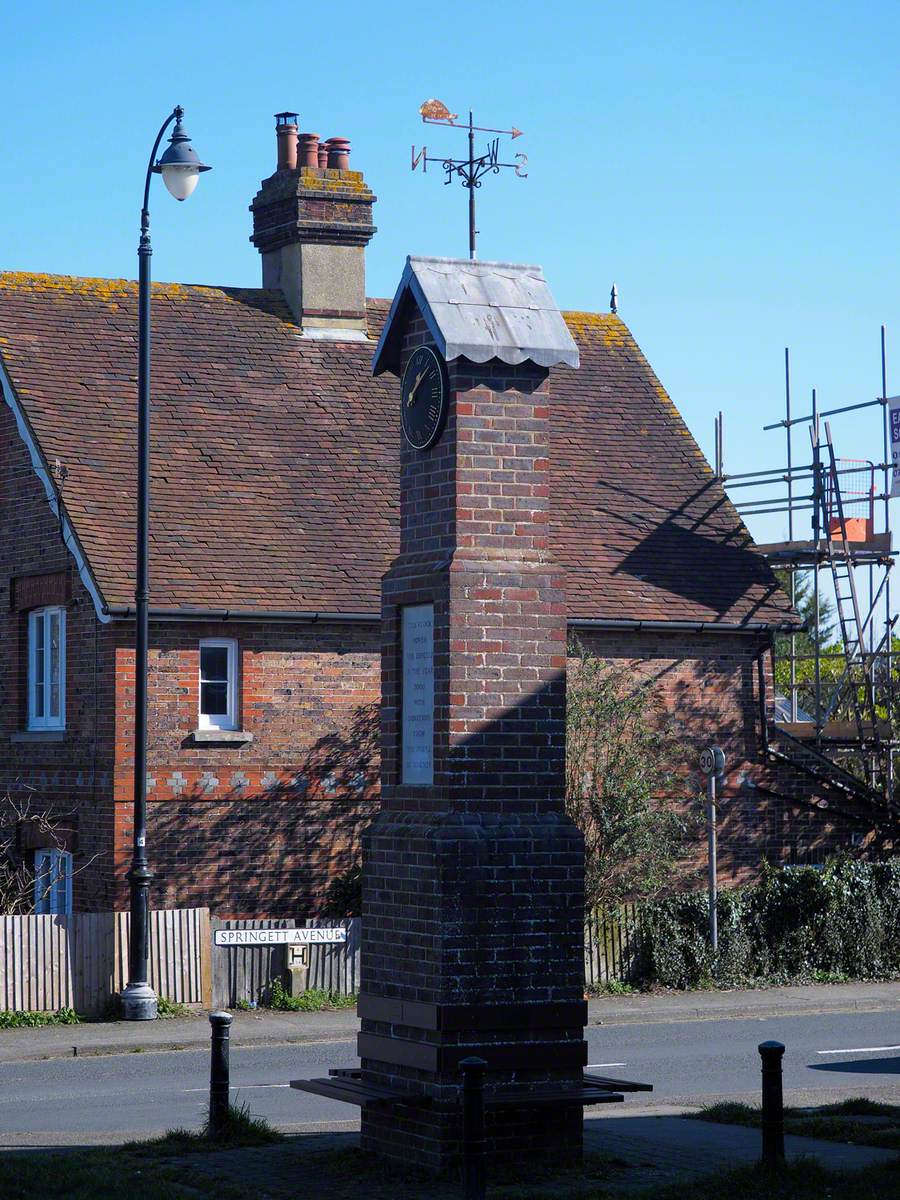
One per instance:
(180, 165)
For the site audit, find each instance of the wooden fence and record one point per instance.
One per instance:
(81, 961)
(613, 946)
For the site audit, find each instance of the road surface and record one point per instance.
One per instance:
(112, 1098)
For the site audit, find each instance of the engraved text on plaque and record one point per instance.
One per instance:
(417, 634)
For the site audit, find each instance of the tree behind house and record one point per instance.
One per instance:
(620, 751)
(20, 886)
(831, 663)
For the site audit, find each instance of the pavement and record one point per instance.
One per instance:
(270, 1028)
(735, 1004)
(267, 1028)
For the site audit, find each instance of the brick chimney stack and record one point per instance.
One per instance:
(311, 224)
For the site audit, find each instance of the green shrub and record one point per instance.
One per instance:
(171, 1008)
(312, 1000)
(33, 1020)
(795, 926)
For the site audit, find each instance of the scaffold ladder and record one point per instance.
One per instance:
(856, 681)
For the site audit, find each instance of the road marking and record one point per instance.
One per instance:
(242, 1087)
(597, 1066)
(860, 1050)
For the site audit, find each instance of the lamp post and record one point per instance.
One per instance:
(180, 168)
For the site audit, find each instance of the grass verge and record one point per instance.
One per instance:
(241, 1129)
(159, 1169)
(184, 1165)
(802, 1180)
(858, 1121)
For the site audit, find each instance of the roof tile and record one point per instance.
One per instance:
(274, 464)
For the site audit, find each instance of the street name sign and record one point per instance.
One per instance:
(279, 937)
(893, 404)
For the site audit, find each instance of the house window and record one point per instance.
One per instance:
(53, 881)
(47, 668)
(218, 684)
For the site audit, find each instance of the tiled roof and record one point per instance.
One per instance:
(274, 469)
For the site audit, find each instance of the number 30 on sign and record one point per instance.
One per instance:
(712, 761)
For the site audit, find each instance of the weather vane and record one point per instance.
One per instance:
(472, 169)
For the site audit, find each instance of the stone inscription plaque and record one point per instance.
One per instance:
(417, 644)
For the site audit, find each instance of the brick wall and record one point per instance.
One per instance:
(68, 772)
(253, 829)
(257, 828)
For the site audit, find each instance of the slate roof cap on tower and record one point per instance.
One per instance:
(480, 311)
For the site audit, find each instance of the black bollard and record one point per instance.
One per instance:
(771, 1054)
(474, 1144)
(218, 1073)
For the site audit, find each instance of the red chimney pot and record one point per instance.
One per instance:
(338, 153)
(309, 150)
(286, 138)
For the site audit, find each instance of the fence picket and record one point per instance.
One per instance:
(49, 962)
(614, 945)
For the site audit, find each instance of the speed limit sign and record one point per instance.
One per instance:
(712, 761)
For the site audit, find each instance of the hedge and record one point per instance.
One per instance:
(799, 925)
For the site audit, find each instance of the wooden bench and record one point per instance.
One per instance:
(346, 1084)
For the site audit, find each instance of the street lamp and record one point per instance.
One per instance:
(180, 168)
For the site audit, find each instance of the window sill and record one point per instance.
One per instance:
(38, 735)
(221, 737)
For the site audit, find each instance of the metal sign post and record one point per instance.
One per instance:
(712, 764)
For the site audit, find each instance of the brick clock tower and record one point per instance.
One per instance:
(473, 874)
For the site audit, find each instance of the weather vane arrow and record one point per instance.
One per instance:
(470, 170)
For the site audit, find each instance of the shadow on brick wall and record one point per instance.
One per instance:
(275, 851)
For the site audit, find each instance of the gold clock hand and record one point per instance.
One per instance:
(415, 387)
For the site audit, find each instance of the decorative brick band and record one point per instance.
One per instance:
(455, 1017)
(557, 1055)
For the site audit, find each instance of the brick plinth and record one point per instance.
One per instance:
(473, 886)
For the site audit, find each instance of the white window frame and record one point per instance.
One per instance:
(58, 864)
(230, 718)
(42, 616)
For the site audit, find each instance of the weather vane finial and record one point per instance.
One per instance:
(470, 170)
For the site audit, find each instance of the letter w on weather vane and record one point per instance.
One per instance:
(470, 170)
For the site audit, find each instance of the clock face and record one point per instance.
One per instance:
(423, 398)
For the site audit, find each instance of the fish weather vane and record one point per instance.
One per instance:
(470, 170)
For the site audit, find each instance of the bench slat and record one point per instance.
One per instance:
(351, 1092)
(617, 1085)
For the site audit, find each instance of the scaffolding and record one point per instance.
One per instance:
(843, 732)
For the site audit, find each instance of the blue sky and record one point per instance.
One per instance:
(733, 167)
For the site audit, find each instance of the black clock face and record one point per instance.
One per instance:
(423, 398)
